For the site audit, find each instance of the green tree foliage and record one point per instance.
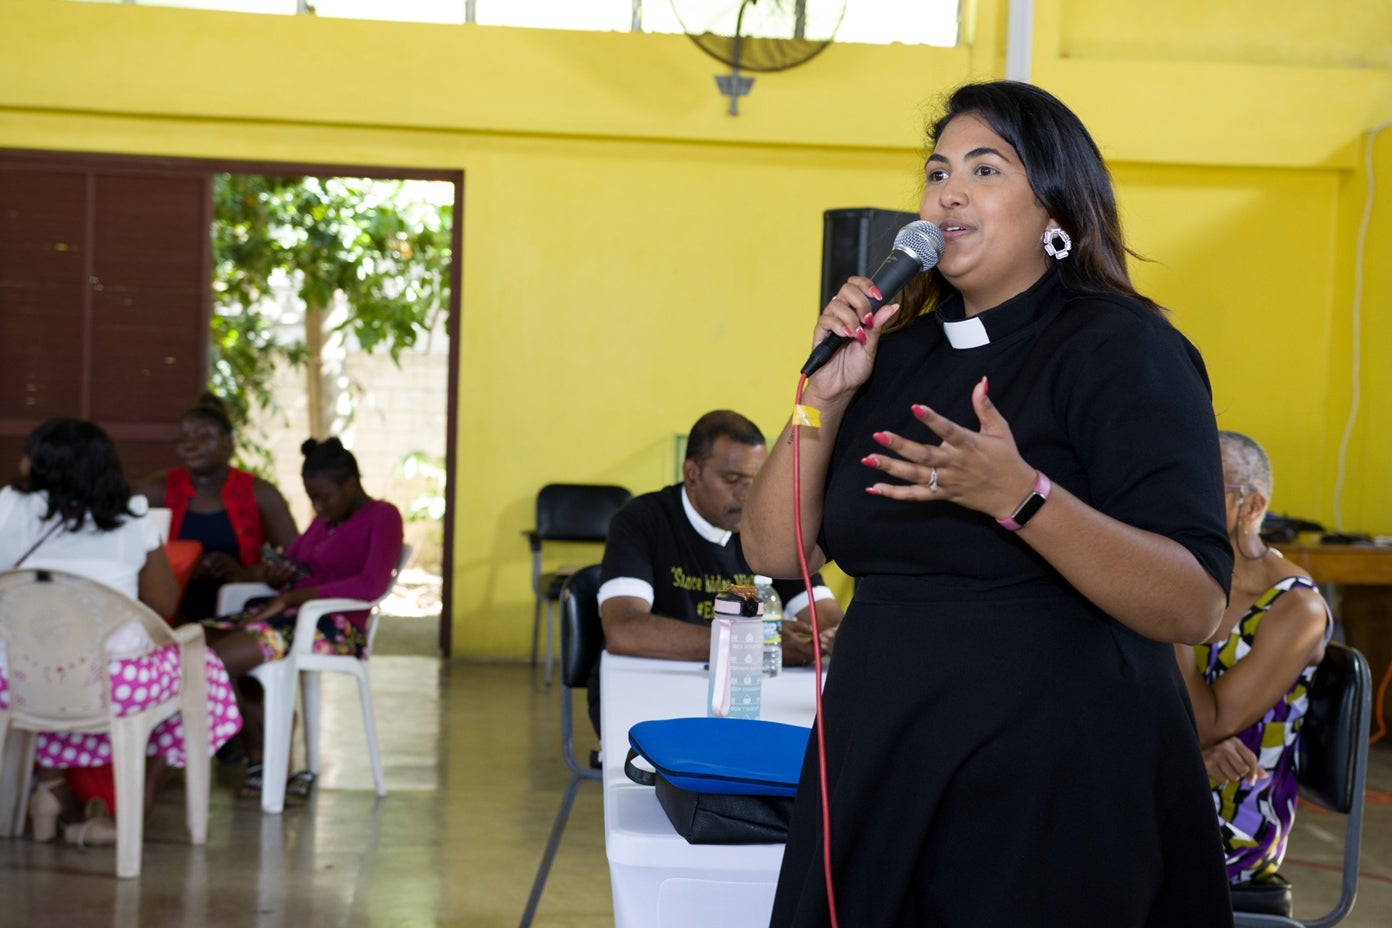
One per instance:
(381, 244)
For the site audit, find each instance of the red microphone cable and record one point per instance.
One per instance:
(801, 415)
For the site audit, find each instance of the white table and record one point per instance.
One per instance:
(659, 880)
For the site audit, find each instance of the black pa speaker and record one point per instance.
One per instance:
(855, 242)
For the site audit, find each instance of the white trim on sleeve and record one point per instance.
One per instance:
(799, 602)
(626, 586)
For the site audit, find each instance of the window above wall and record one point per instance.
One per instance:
(871, 22)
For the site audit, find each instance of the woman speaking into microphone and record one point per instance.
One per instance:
(1019, 465)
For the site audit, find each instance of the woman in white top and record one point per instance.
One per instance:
(71, 510)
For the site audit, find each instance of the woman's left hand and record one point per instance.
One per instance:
(980, 470)
(279, 575)
(273, 607)
(217, 565)
(1230, 760)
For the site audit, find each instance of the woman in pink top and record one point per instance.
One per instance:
(349, 551)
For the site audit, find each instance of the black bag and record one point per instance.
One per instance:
(721, 780)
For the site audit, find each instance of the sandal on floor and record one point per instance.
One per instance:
(43, 811)
(93, 832)
(251, 786)
(300, 783)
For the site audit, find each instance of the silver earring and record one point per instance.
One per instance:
(1055, 251)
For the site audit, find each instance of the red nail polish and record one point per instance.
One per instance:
(985, 386)
(875, 292)
(870, 461)
(881, 437)
(869, 320)
(873, 491)
(846, 331)
(860, 335)
(919, 410)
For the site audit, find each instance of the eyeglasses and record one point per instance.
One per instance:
(1242, 488)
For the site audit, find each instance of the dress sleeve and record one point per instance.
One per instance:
(304, 543)
(150, 534)
(1139, 415)
(11, 545)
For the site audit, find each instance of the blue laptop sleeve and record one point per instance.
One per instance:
(721, 780)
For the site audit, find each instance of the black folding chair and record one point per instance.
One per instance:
(1331, 763)
(566, 512)
(582, 640)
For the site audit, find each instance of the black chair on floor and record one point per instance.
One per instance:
(582, 640)
(1331, 763)
(566, 512)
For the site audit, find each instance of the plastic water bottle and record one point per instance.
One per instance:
(737, 633)
(773, 625)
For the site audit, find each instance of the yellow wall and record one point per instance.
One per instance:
(634, 256)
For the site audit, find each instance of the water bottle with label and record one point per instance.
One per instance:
(737, 632)
(773, 625)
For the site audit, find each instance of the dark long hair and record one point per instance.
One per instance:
(1066, 173)
(75, 463)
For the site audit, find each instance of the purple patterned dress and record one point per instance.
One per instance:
(1255, 819)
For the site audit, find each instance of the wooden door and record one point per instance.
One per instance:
(105, 270)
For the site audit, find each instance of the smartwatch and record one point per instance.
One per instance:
(1032, 504)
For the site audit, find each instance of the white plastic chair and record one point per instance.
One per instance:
(300, 669)
(55, 626)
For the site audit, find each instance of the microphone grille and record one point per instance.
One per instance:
(923, 240)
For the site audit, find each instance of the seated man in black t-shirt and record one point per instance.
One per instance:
(669, 553)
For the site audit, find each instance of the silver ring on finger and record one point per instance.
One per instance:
(933, 480)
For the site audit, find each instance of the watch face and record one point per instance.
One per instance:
(1027, 509)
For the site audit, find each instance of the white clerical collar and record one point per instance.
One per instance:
(966, 333)
(999, 322)
(703, 528)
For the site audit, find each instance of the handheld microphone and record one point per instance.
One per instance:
(917, 248)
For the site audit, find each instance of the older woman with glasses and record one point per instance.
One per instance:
(1249, 683)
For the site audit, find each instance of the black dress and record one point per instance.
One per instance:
(1001, 752)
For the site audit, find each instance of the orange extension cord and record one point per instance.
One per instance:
(1377, 705)
(1379, 797)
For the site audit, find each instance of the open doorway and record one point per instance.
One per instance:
(331, 317)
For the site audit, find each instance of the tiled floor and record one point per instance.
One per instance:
(474, 772)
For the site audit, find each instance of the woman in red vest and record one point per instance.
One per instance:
(231, 512)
